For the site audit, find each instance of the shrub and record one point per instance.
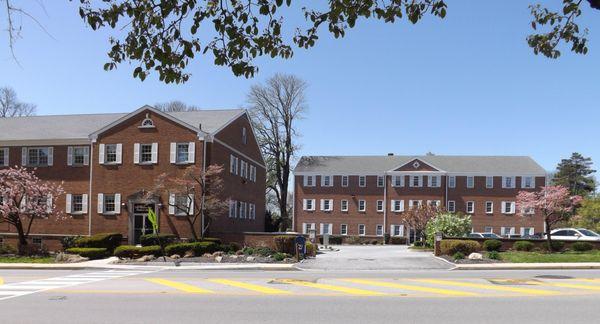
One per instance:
(451, 225)
(280, 256)
(224, 248)
(582, 246)
(285, 244)
(458, 256)
(198, 248)
(523, 246)
(310, 249)
(353, 240)
(335, 240)
(556, 246)
(234, 246)
(212, 239)
(397, 240)
(69, 241)
(90, 253)
(374, 242)
(492, 245)
(151, 239)
(466, 247)
(108, 241)
(263, 251)
(418, 243)
(133, 252)
(493, 255)
(248, 251)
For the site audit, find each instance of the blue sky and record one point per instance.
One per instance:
(467, 84)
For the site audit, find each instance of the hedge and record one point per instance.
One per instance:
(492, 245)
(466, 247)
(108, 241)
(523, 246)
(133, 252)
(582, 246)
(151, 239)
(90, 253)
(285, 244)
(397, 240)
(198, 248)
(333, 240)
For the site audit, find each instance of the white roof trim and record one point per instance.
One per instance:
(413, 159)
(46, 142)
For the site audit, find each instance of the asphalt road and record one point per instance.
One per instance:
(182, 296)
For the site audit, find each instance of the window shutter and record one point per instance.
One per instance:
(136, 153)
(117, 203)
(172, 204)
(6, 156)
(173, 153)
(101, 149)
(100, 203)
(512, 207)
(420, 181)
(429, 181)
(154, 153)
(192, 152)
(304, 203)
(393, 205)
(304, 228)
(191, 203)
(401, 205)
(322, 204)
(321, 228)
(503, 206)
(49, 204)
(68, 204)
(84, 204)
(86, 156)
(50, 156)
(120, 153)
(70, 155)
(24, 156)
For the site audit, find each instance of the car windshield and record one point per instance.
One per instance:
(489, 235)
(474, 235)
(588, 232)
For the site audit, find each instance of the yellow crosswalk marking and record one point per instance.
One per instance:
(574, 286)
(342, 289)
(252, 287)
(180, 286)
(528, 291)
(411, 287)
(1, 281)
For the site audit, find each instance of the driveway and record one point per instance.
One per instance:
(374, 257)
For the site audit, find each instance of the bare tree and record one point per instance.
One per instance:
(14, 17)
(418, 217)
(10, 106)
(275, 108)
(175, 105)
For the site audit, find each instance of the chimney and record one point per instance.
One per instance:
(390, 154)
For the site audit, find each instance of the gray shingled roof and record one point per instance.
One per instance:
(81, 126)
(454, 164)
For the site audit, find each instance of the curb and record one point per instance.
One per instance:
(250, 267)
(528, 266)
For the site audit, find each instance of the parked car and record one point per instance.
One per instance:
(574, 234)
(534, 236)
(484, 235)
(513, 236)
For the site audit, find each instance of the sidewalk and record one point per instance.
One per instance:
(528, 266)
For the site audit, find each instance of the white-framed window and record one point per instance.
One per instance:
(309, 180)
(145, 153)
(242, 207)
(414, 203)
(306, 227)
(506, 231)
(527, 182)
(344, 229)
(397, 206)
(452, 182)
(398, 181)
(362, 181)
(252, 211)
(345, 181)
(244, 135)
(326, 204)
(434, 203)
(527, 231)
(488, 229)
(451, 206)
(416, 181)
(397, 230)
(109, 203)
(434, 181)
(309, 204)
(326, 228)
(110, 153)
(38, 156)
(508, 182)
(326, 181)
(362, 205)
(344, 205)
(489, 207)
(380, 181)
(78, 155)
(489, 182)
(362, 230)
(380, 205)
(182, 153)
(470, 182)
(232, 209)
(4, 156)
(379, 230)
(252, 173)
(233, 164)
(470, 207)
(76, 203)
(508, 207)
(37, 241)
(243, 169)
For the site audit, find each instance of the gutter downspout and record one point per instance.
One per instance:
(204, 182)
(90, 189)
(294, 206)
(385, 184)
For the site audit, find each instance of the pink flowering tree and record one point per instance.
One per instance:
(555, 203)
(25, 198)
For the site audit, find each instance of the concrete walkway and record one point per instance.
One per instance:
(529, 266)
(374, 257)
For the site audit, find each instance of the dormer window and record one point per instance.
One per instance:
(147, 122)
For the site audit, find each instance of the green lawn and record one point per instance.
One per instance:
(26, 259)
(537, 257)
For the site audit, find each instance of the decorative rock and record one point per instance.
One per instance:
(250, 259)
(475, 256)
(288, 260)
(145, 258)
(234, 257)
(218, 253)
(175, 256)
(69, 258)
(207, 255)
(188, 254)
(218, 259)
(240, 252)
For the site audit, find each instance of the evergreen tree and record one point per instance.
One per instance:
(575, 173)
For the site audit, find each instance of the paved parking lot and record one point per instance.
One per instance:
(375, 257)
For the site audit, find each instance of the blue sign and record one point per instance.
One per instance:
(301, 245)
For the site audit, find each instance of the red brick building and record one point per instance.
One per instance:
(367, 195)
(107, 163)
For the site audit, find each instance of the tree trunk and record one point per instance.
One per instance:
(22, 237)
(548, 237)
